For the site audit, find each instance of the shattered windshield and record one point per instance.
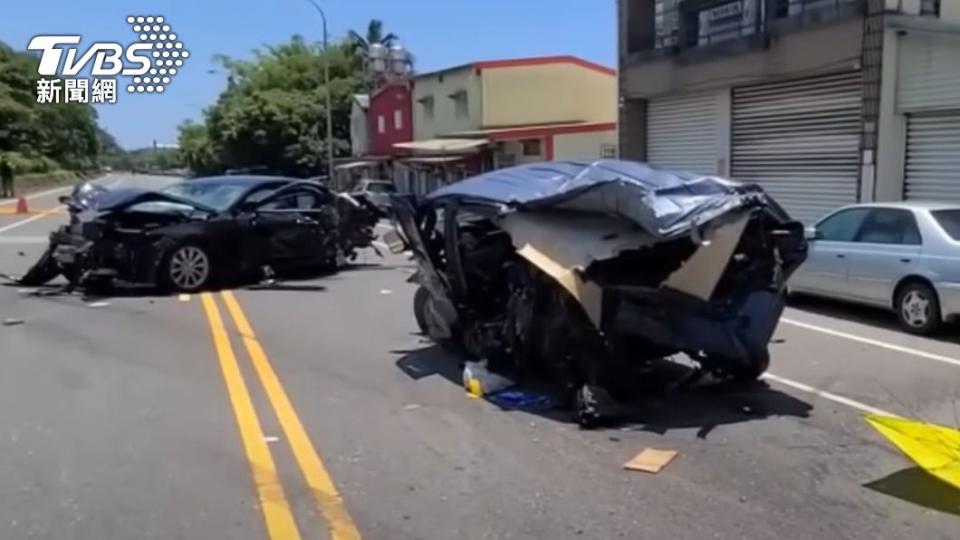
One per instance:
(216, 195)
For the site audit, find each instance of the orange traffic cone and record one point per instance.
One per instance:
(22, 205)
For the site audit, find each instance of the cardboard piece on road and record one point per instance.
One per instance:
(650, 460)
(12, 322)
(184, 297)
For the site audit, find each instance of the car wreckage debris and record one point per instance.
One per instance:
(650, 460)
(587, 272)
(204, 232)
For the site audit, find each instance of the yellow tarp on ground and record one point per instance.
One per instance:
(936, 449)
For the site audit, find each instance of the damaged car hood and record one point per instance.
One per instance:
(664, 204)
(88, 197)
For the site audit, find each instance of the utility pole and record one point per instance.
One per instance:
(326, 82)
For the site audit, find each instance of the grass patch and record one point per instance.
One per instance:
(25, 184)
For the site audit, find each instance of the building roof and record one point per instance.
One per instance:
(519, 62)
(363, 100)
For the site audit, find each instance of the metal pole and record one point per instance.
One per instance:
(326, 81)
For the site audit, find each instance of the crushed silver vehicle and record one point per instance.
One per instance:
(587, 271)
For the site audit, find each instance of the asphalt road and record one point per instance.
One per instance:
(313, 410)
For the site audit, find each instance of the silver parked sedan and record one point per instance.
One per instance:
(901, 256)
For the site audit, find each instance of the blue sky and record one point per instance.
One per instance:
(439, 32)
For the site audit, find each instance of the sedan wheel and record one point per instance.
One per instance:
(918, 309)
(188, 268)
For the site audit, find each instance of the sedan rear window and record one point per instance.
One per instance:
(949, 221)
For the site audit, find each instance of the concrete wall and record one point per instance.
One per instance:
(548, 93)
(441, 86)
(910, 84)
(950, 11)
(583, 146)
(829, 46)
(391, 103)
(359, 136)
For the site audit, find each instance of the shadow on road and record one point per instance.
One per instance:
(915, 486)
(661, 403)
(291, 287)
(872, 316)
(709, 407)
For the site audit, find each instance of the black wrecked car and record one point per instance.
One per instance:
(206, 231)
(586, 271)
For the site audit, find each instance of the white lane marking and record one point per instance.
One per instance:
(24, 239)
(828, 395)
(22, 222)
(875, 343)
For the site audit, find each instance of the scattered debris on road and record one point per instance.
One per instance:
(588, 272)
(934, 448)
(385, 291)
(479, 381)
(411, 407)
(100, 304)
(183, 297)
(523, 400)
(13, 322)
(650, 460)
(271, 439)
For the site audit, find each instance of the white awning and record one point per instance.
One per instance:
(354, 165)
(433, 159)
(443, 145)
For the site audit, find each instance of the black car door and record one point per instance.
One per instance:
(294, 225)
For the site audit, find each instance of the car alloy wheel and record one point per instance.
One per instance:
(189, 268)
(915, 308)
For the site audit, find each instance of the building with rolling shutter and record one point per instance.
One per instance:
(822, 102)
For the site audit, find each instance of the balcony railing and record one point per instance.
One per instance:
(686, 24)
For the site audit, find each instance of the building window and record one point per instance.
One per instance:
(381, 124)
(461, 105)
(531, 147)
(930, 7)
(427, 104)
(608, 151)
(398, 119)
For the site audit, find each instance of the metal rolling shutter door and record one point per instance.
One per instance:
(933, 158)
(800, 140)
(682, 133)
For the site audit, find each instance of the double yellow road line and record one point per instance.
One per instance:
(277, 513)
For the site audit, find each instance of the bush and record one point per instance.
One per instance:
(23, 164)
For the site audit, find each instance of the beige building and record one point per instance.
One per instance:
(483, 115)
(822, 102)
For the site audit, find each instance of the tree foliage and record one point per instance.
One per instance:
(36, 137)
(272, 115)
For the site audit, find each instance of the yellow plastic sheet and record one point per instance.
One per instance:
(936, 449)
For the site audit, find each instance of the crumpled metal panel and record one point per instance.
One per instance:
(666, 204)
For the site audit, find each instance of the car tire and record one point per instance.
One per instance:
(420, 300)
(757, 365)
(918, 308)
(187, 267)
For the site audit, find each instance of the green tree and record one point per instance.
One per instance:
(196, 150)
(38, 135)
(272, 114)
